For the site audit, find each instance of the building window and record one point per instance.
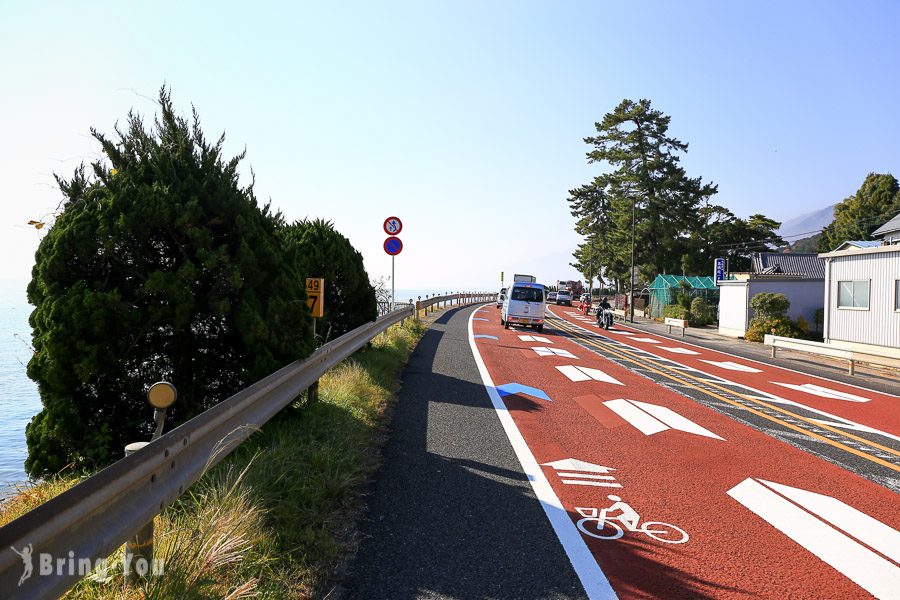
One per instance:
(853, 294)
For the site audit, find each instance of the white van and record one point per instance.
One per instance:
(524, 305)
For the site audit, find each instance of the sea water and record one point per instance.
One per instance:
(19, 400)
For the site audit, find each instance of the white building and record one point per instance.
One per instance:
(800, 277)
(862, 294)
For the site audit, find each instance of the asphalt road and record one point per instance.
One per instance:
(625, 464)
(452, 513)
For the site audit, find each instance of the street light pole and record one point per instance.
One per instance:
(631, 289)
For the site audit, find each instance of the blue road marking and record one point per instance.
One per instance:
(488, 337)
(517, 388)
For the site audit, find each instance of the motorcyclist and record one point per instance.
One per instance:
(601, 310)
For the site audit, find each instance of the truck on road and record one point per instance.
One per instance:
(517, 278)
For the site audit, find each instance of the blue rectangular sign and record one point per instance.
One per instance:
(719, 269)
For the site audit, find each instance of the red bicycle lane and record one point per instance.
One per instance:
(759, 514)
(862, 406)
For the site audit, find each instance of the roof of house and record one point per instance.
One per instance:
(809, 266)
(859, 244)
(892, 226)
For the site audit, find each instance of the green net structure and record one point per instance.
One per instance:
(665, 289)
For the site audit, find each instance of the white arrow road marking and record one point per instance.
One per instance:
(785, 508)
(585, 374)
(647, 340)
(589, 477)
(651, 418)
(573, 464)
(818, 390)
(534, 338)
(586, 476)
(677, 350)
(591, 483)
(543, 351)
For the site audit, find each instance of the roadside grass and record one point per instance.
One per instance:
(277, 517)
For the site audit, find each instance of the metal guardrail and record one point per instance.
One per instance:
(823, 349)
(457, 299)
(444, 300)
(94, 518)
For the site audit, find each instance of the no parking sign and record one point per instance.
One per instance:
(393, 246)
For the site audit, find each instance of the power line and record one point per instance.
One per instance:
(755, 243)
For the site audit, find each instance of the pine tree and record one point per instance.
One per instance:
(160, 266)
(646, 181)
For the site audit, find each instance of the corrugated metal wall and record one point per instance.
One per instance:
(806, 296)
(880, 325)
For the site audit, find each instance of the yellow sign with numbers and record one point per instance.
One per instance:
(315, 296)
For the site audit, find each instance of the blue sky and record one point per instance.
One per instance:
(465, 119)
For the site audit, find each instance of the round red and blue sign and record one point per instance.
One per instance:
(393, 225)
(393, 246)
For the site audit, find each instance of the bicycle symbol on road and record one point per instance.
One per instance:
(598, 525)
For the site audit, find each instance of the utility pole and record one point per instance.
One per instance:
(631, 291)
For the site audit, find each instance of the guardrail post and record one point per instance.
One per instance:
(852, 366)
(773, 350)
(140, 547)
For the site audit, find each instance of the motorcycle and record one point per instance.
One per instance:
(604, 318)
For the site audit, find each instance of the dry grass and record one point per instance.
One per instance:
(276, 517)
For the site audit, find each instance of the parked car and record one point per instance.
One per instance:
(524, 305)
(501, 297)
(551, 296)
(564, 297)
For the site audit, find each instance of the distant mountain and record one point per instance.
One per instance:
(809, 224)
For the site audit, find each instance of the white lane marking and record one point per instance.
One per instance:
(543, 351)
(585, 374)
(823, 392)
(651, 418)
(534, 338)
(731, 366)
(645, 340)
(595, 583)
(868, 570)
(722, 352)
(593, 483)
(677, 350)
(587, 476)
(834, 420)
(854, 427)
(619, 331)
(573, 464)
(757, 394)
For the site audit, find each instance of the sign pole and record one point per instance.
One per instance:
(393, 246)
